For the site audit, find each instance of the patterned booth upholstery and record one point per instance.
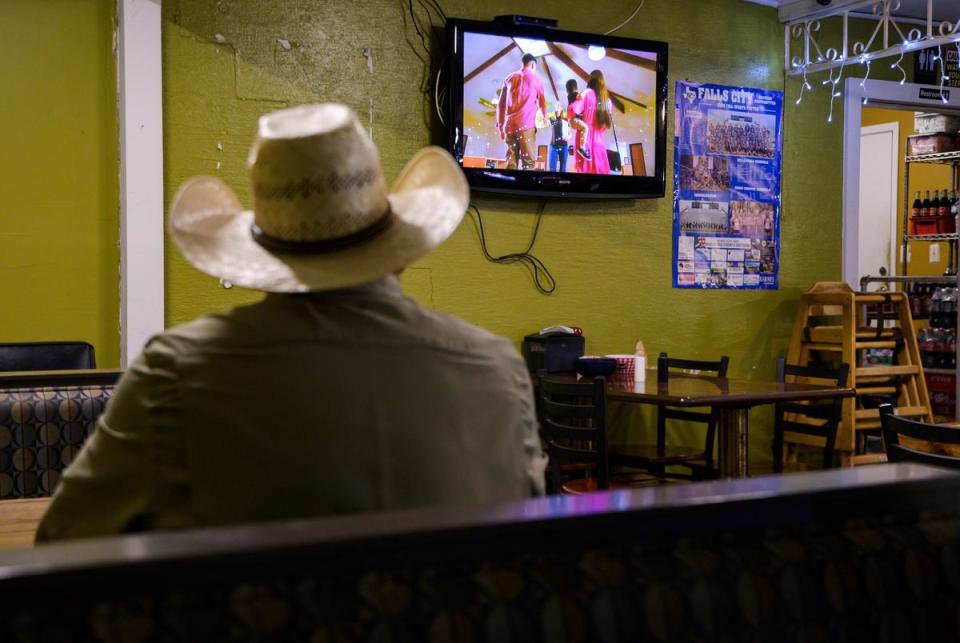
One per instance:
(870, 554)
(44, 420)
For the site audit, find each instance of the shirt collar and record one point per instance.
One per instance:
(386, 286)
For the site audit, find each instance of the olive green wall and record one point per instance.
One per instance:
(58, 162)
(227, 61)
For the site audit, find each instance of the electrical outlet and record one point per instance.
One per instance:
(934, 253)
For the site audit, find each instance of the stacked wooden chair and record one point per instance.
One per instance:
(835, 324)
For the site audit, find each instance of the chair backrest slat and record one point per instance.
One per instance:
(689, 416)
(895, 426)
(821, 431)
(916, 430)
(802, 415)
(715, 368)
(665, 364)
(818, 411)
(567, 410)
(572, 454)
(558, 431)
(574, 426)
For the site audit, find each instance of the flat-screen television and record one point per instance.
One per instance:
(542, 112)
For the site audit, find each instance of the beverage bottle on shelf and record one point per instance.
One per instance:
(940, 347)
(946, 307)
(917, 205)
(935, 303)
(913, 296)
(925, 342)
(949, 307)
(944, 209)
(929, 289)
(925, 205)
(935, 204)
(951, 353)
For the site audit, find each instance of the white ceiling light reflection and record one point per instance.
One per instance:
(535, 47)
(596, 52)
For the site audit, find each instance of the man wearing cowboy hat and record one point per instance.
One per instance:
(335, 393)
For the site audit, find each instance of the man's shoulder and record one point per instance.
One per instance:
(454, 333)
(189, 336)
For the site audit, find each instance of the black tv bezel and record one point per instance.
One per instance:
(555, 184)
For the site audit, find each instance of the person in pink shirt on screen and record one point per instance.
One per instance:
(520, 98)
(598, 114)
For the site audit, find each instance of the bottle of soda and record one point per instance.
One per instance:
(949, 308)
(917, 204)
(951, 352)
(935, 303)
(913, 296)
(944, 205)
(925, 205)
(926, 347)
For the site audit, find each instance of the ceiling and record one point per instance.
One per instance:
(790, 10)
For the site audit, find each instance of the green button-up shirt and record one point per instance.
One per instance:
(304, 405)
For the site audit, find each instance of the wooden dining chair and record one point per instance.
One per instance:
(574, 428)
(817, 419)
(935, 435)
(656, 457)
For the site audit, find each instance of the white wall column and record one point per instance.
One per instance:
(139, 92)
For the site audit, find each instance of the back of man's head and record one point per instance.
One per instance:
(529, 58)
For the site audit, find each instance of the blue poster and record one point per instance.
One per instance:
(726, 187)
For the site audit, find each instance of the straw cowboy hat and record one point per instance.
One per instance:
(322, 217)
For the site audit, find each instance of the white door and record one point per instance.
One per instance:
(879, 205)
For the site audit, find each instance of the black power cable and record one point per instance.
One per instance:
(421, 14)
(542, 278)
(423, 25)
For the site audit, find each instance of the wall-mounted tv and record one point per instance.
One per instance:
(541, 112)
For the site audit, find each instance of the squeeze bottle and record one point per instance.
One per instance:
(639, 363)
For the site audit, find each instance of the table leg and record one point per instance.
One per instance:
(732, 438)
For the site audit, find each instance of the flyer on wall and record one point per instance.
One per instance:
(726, 187)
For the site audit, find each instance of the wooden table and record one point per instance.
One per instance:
(734, 398)
(19, 520)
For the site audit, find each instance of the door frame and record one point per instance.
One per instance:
(893, 128)
(878, 93)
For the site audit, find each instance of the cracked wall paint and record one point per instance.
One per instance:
(611, 259)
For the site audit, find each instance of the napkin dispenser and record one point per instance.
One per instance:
(553, 352)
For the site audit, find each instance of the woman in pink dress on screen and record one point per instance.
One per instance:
(596, 113)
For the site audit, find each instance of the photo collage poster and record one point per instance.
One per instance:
(726, 187)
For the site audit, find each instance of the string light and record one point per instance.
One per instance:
(806, 84)
(834, 93)
(943, 72)
(914, 40)
(896, 65)
(865, 60)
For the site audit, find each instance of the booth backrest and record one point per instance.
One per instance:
(865, 554)
(47, 356)
(44, 419)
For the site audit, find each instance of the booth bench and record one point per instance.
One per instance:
(44, 419)
(862, 554)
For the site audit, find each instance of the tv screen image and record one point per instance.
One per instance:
(544, 112)
(574, 108)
